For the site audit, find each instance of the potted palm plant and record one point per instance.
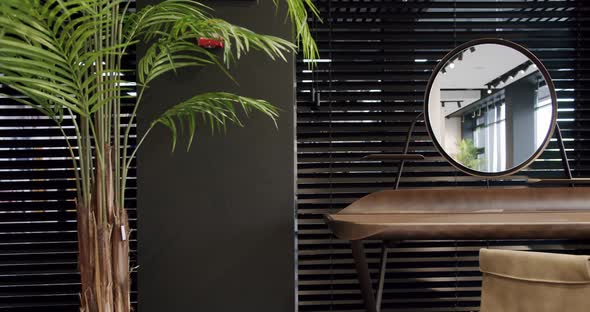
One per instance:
(65, 58)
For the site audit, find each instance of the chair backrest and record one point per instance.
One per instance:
(518, 281)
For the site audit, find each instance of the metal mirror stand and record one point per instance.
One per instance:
(406, 156)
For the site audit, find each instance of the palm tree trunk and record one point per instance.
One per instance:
(103, 241)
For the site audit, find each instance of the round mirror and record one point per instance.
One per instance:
(490, 107)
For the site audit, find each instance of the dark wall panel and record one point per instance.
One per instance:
(377, 56)
(217, 222)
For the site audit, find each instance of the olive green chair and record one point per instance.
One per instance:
(519, 281)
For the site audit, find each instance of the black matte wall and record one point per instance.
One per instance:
(216, 224)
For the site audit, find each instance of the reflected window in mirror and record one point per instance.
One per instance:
(543, 111)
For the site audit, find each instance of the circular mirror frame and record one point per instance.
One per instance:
(552, 93)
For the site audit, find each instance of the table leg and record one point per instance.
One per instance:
(362, 270)
(382, 271)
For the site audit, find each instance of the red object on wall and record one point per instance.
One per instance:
(209, 43)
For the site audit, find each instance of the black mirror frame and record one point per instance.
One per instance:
(552, 93)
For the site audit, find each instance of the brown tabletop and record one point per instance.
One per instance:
(474, 225)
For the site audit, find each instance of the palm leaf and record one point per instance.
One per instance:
(168, 23)
(238, 40)
(159, 18)
(39, 63)
(216, 108)
(298, 14)
(181, 17)
(170, 55)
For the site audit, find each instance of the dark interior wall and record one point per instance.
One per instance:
(216, 224)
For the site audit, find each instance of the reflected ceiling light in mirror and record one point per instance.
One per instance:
(457, 58)
(521, 70)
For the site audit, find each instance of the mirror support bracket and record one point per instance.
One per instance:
(406, 149)
(564, 159)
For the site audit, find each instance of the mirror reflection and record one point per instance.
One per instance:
(490, 108)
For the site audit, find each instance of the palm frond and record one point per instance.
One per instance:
(158, 19)
(46, 55)
(238, 40)
(215, 108)
(169, 55)
(182, 20)
(298, 14)
(25, 49)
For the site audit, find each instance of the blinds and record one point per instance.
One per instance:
(376, 58)
(38, 240)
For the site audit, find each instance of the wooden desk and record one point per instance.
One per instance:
(461, 214)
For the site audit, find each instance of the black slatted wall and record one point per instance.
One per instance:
(376, 58)
(38, 240)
